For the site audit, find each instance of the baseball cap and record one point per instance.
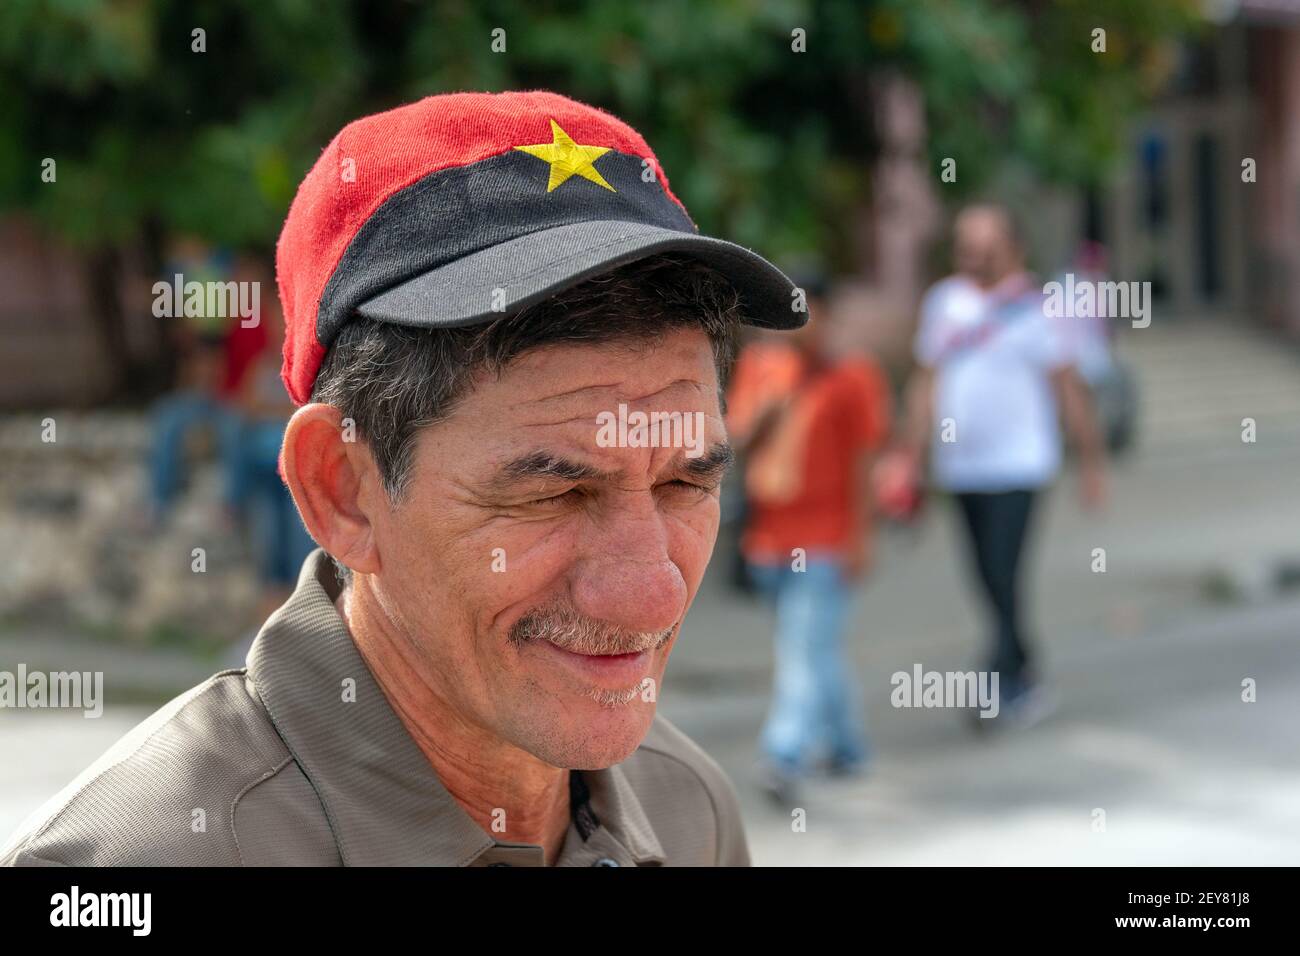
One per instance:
(460, 207)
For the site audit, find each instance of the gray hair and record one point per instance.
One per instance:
(394, 380)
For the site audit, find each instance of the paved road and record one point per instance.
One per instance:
(1152, 730)
(42, 751)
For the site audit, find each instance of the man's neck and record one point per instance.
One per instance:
(509, 793)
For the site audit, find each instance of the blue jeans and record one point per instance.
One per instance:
(174, 417)
(281, 540)
(815, 703)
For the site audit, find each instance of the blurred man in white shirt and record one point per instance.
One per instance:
(995, 379)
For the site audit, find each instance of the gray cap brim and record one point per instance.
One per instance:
(515, 274)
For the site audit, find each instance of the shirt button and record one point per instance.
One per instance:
(605, 861)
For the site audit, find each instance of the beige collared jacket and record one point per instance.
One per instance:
(268, 765)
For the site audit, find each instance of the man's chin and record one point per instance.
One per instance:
(593, 735)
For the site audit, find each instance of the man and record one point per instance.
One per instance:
(994, 376)
(479, 688)
(809, 424)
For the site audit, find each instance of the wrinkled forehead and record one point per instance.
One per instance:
(578, 406)
(676, 369)
(570, 399)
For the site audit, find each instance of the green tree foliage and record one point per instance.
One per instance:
(766, 146)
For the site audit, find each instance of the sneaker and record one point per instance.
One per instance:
(845, 768)
(777, 783)
(978, 723)
(1023, 705)
(1031, 706)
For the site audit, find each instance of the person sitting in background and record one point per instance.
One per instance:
(808, 425)
(200, 401)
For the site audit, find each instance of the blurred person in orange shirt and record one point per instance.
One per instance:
(807, 426)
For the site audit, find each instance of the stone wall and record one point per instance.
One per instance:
(79, 550)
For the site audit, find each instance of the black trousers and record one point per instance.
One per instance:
(997, 524)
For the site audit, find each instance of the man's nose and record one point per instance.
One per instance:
(627, 578)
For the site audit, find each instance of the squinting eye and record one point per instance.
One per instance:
(680, 485)
(567, 497)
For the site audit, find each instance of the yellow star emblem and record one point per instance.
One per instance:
(567, 158)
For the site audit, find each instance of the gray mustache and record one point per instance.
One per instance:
(569, 630)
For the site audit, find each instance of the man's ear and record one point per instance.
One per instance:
(333, 483)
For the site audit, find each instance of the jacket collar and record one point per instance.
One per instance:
(385, 804)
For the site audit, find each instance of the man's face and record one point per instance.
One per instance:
(983, 248)
(544, 576)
